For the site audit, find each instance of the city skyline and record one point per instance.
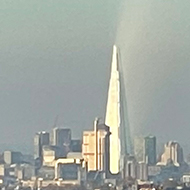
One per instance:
(53, 64)
(77, 114)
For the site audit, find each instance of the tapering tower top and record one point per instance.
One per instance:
(112, 118)
(115, 59)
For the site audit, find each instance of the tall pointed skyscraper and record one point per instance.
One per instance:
(113, 114)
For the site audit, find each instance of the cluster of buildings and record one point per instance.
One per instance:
(149, 165)
(100, 157)
(57, 156)
(60, 160)
(51, 152)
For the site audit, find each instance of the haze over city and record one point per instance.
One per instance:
(55, 60)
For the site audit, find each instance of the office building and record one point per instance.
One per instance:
(50, 154)
(130, 167)
(62, 138)
(24, 172)
(2, 169)
(150, 150)
(95, 147)
(153, 171)
(46, 173)
(113, 114)
(173, 154)
(11, 157)
(70, 171)
(76, 145)
(40, 139)
(139, 147)
(142, 171)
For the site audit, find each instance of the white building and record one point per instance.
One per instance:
(173, 153)
(113, 114)
(50, 154)
(186, 178)
(95, 148)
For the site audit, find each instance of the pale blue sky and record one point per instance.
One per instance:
(154, 41)
(54, 60)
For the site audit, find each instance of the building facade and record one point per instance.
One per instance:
(70, 171)
(150, 150)
(95, 148)
(61, 137)
(139, 148)
(173, 153)
(130, 167)
(76, 145)
(40, 139)
(50, 154)
(142, 171)
(11, 157)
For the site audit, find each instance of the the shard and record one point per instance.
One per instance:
(113, 114)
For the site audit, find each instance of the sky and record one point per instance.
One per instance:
(153, 37)
(55, 60)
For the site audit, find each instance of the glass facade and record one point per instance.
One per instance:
(68, 171)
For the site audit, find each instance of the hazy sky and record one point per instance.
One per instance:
(154, 39)
(55, 58)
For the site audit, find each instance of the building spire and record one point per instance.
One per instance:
(115, 59)
(113, 114)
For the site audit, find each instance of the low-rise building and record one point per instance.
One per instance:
(11, 157)
(24, 172)
(142, 171)
(50, 154)
(70, 171)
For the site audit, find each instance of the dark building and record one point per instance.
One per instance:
(76, 146)
(40, 139)
(11, 157)
(61, 138)
(150, 150)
